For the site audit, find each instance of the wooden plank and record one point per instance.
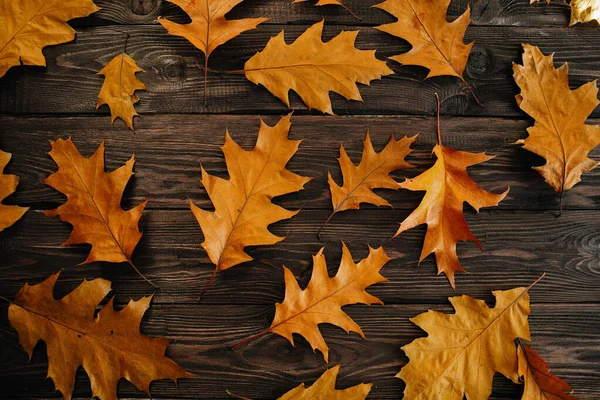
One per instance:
(518, 247)
(173, 73)
(169, 150)
(565, 335)
(484, 12)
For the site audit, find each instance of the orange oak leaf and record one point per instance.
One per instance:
(324, 389)
(436, 43)
(243, 207)
(448, 186)
(93, 203)
(321, 302)
(209, 28)
(463, 351)
(331, 2)
(313, 68)
(371, 173)
(8, 184)
(26, 27)
(118, 90)
(559, 133)
(109, 346)
(540, 384)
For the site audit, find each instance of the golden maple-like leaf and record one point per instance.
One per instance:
(8, 184)
(324, 388)
(448, 186)
(243, 207)
(313, 68)
(109, 346)
(118, 90)
(26, 27)
(559, 133)
(321, 302)
(464, 350)
(436, 43)
(540, 384)
(584, 11)
(93, 203)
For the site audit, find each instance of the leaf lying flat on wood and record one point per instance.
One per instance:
(243, 207)
(584, 11)
(8, 184)
(330, 2)
(118, 90)
(313, 69)
(93, 203)
(109, 346)
(26, 27)
(559, 134)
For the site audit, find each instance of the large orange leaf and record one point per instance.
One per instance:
(313, 69)
(540, 384)
(26, 27)
(8, 184)
(559, 134)
(436, 43)
(448, 186)
(371, 173)
(243, 207)
(464, 350)
(209, 28)
(109, 346)
(93, 203)
(118, 90)
(321, 302)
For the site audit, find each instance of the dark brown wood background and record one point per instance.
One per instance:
(522, 238)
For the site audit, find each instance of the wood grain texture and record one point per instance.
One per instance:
(268, 367)
(170, 149)
(518, 247)
(174, 75)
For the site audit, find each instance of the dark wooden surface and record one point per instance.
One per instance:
(522, 238)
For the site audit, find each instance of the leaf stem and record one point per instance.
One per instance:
(141, 275)
(205, 77)
(324, 223)
(236, 396)
(350, 11)
(471, 90)
(5, 299)
(439, 134)
(208, 283)
(251, 338)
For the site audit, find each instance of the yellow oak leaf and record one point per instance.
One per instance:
(8, 184)
(108, 346)
(324, 388)
(559, 133)
(26, 27)
(243, 207)
(118, 90)
(93, 205)
(313, 68)
(464, 350)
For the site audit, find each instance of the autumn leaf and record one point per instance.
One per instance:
(463, 351)
(26, 27)
(321, 302)
(540, 384)
(93, 203)
(209, 28)
(324, 389)
(313, 68)
(243, 207)
(584, 11)
(330, 2)
(109, 346)
(436, 43)
(559, 133)
(8, 184)
(447, 185)
(118, 90)
(371, 173)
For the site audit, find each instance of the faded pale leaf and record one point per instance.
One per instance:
(559, 133)
(321, 302)
(26, 27)
(118, 90)
(313, 68)
(584, 11)
(464, 350)
(109, 346)
(93, 203)
(324, 389)
(8, 184)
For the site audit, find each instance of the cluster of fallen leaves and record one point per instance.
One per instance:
(462, 351)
